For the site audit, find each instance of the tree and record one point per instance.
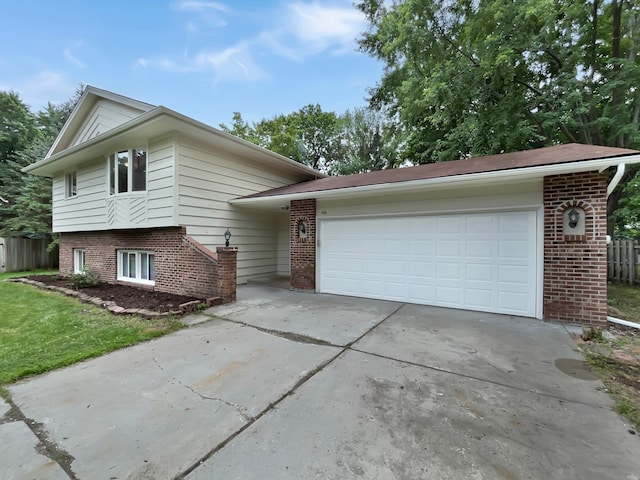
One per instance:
(470, 78)
(310, 135)
(30, 213)
(17, 129)
(369, 142)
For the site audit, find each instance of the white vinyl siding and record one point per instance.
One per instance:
(284, 247)
(206, 183)
(87, 210)
(105, 116)
(94, 209)
(161, 193)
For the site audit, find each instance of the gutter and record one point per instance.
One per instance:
(518, 173)
(626, 323)
(616, 179)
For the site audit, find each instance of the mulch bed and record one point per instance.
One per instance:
(123, 296)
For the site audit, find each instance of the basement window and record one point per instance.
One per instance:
(79, 257)
(136, 266)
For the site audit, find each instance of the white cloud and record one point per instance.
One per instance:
(321, 27)
(43, 87)
(234, 63)
(72, 59)
(199, 6)
(299, 30)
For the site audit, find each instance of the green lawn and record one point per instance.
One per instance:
(625, 299)
(42, 330)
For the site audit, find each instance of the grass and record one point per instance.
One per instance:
(42, 330)
(622, 383)
(621, 380)
(625, 299)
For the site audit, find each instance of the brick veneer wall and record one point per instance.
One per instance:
(575, 268)
(182, 266)
(303, 250)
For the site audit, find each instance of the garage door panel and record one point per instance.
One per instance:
(479, 272)
(481, 225)
(476, 261)
(479, 299)
(514, 274)
(514, 249)
(480, 248)
(449, 248)
(513, 224)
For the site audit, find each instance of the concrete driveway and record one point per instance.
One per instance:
(287, 385)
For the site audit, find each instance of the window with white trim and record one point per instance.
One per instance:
(71, 185)
(127, 171)
(79, 257)
(136, 266)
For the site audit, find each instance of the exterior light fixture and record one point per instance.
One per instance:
(574, 216)
(227, 236)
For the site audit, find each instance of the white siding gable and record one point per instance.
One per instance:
(105, 115)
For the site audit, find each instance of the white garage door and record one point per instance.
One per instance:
(483, 262)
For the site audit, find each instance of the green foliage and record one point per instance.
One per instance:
(43, 330)
(28, 213)
(354, 142)
(84, 279)
(471, 78)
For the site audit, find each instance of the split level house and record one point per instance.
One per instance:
(144, 195)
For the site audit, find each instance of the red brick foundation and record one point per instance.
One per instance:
(575, 269)
(182, 266)
(303, 250)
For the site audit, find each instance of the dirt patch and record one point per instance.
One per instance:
(615, 358)
(123, 296)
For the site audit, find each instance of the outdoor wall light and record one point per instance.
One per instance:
(574, 216)
(227, 236)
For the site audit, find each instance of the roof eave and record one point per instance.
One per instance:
(46, 167)
(472, 179)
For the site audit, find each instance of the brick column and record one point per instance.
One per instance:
(303, 246)
(575, 267)
(227, 262)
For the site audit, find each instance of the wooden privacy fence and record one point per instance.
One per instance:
(622, 261)
(17, 254)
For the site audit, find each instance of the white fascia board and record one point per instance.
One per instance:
(175, 122)
(472, 179)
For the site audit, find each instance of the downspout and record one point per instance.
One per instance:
(616, 179)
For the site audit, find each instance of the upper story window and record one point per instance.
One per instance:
(128, 171)
(71, 185)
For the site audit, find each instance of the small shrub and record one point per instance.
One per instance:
(592, 334)
(84, 279)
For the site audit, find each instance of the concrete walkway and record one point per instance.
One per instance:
(284, 385)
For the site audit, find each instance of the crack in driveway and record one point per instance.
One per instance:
(237, 407)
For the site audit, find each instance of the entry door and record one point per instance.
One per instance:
(484, 262)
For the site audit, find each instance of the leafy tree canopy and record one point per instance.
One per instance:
(471, 78)
(28, 212)
(357, 141)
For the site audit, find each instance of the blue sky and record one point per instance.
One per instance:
(205, 59)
